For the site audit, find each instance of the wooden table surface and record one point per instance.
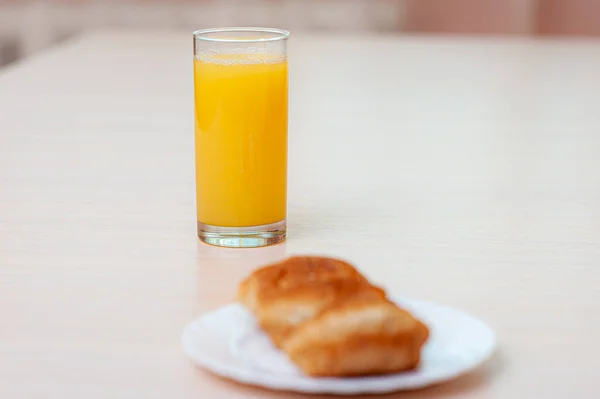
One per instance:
(462, 171)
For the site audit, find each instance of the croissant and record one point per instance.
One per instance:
(330, 320)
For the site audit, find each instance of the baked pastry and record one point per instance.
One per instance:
(293, 272)
(285, 294)
(358, 337)
(330, 320)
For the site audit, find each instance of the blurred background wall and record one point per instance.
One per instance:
(27, 26)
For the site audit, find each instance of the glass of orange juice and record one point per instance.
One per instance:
(241, 131)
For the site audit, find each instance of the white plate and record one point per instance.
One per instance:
(228, 343)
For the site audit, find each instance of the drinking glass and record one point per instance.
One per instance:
(241, 135)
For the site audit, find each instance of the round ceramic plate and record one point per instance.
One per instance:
(228, 343)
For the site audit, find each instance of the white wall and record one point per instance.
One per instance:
(26, 27)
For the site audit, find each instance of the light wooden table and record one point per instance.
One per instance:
(456, 170)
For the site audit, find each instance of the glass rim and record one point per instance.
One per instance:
(279, 34)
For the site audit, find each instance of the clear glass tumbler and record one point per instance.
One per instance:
(241, 135)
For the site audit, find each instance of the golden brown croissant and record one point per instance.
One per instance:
(364, 336)
(330, 320)
(292, 272)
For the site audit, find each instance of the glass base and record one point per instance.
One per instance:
(242, 237)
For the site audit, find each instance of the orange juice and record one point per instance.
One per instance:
(241, 138)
